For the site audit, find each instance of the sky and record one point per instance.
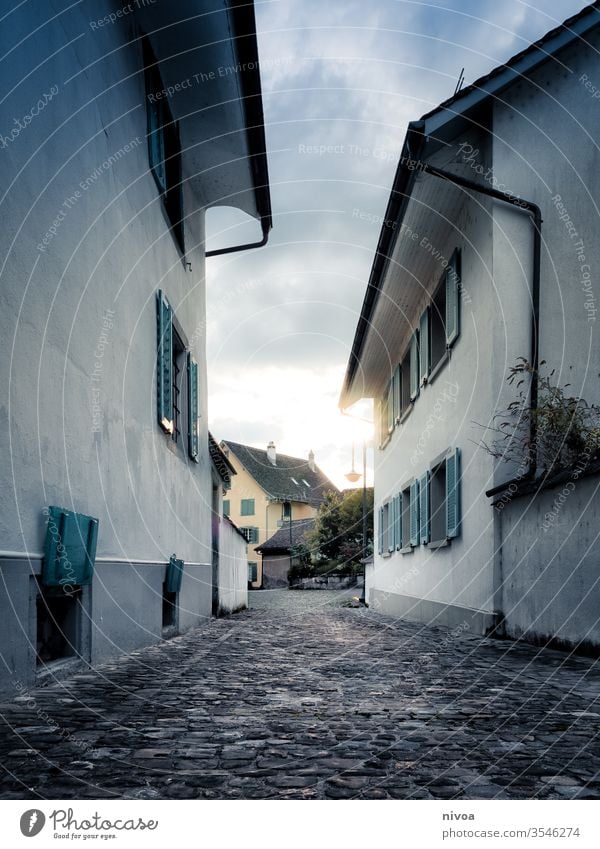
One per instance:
(340, 83)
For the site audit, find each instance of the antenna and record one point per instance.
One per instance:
(461, 79)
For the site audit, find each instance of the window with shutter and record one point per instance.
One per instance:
(226, 507)
(424, 347)
(424, 508)
(193, 441)
(414, 366)
(164, 365)
(398, 522)
(390, 407)
(397, 393)
(247, 507)
(405, 518)
(414, 513)
(380, 531)
(453, 505)
(453, 298)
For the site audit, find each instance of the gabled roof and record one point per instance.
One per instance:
(425, 136)
(279, 543)
(224, 468)
(292, 479)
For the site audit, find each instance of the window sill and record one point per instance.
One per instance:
(439, 366)
(408, 549)
(440, 543)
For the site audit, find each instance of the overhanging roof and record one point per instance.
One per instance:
(424, 138)
(208, 58)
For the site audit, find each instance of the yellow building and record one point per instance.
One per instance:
(268, 491)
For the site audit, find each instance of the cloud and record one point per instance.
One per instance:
(347, 76)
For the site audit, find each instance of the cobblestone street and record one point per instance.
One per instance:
(302, 697)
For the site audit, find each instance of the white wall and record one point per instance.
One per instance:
(233, 569)
(111, 251)
(460, 574)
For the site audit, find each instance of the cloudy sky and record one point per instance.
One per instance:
(340, 83)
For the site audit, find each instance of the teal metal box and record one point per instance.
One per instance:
(70, 549)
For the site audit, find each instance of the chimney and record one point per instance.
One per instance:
(311, 460)
(272, 453)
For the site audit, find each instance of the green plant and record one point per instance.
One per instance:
(565, 427)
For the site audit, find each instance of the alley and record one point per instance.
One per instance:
(304, 697)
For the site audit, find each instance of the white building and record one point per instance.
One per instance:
(488, 253)
(117, 133)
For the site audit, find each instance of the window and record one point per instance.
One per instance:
(252, 571)
(405, 382)
(440, 506)
(306, 483)
(294, 481)
(286, 510)
(438, 325)
(226, 507)
(247, 507)
(438, 502)
(164, 148)
(405, 518)
(178, 357)
(251, 534)
(177, 382)
(424, 347)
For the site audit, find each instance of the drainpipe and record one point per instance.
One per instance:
(265, 230)
(533, 210)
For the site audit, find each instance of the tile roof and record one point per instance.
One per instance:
(279, 543)
(292, 479)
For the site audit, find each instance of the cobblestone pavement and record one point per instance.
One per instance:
(301, 697)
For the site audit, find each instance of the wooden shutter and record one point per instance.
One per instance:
(453, 298)
(414, 513)
(414, 366)
(453, 506)
(424, 503)
(192, 373)
(424, 347)
(164, 364)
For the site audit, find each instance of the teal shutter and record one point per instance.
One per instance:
(424, 347)
(414, 366)
(192, 371)
(414, 513)
(226, 507)
(424, 502)
(380, 531)
(452, 298)
(453, 505)
(164, 364)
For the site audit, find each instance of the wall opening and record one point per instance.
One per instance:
(169, 610)
(58, 624)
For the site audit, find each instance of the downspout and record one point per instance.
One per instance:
(265, 229)
(536, 216)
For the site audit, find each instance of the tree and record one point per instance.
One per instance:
(338, 528)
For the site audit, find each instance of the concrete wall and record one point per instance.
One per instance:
(551, 564)
(77, 411)
(233, 570)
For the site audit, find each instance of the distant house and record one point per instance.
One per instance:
(488, 253)
(268, 491)
(277, 552)
(108, 485)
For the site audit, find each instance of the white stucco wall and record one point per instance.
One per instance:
(233, 569)
(443, 417)
(65, 353)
